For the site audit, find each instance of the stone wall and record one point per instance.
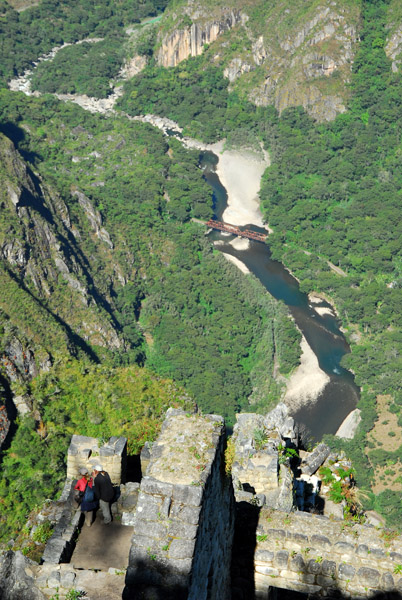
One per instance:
(316, 555)
(87, 452)
(183, 522)
(183, 526)
(260, 473)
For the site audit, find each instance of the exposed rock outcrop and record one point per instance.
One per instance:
(94, 218)
(39, 248)
(276, 58)
(17, 578)
(393, 49)
(190, 41)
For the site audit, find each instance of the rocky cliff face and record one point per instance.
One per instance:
(39, 248)
(181, 43)
(272, 53)
(52, 304)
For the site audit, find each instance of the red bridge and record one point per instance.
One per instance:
(247, 233)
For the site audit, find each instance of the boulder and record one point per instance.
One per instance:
(17, 574)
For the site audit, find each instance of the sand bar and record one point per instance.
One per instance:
(307, 382)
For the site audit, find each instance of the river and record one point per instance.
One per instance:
(322, 332)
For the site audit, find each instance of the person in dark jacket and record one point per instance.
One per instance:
(85, 498)
(104, 491)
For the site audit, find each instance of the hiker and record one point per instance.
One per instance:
(85, 496)
(104, 491)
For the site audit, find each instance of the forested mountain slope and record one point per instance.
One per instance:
(271, 52)
(332, 193)
(103, 269)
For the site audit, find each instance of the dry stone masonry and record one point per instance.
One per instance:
(187, 514)
(183, 527)
(86, 452)
(316, 555)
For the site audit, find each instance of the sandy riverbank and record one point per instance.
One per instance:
(307, 382)
(240, 173)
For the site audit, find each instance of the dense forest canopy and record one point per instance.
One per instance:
(173, 304)
(180, 299)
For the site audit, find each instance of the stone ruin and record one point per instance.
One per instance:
(200, 534)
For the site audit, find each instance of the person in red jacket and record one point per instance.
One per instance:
(85, 496)
(104, 491)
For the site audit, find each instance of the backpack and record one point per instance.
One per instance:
(89, 494)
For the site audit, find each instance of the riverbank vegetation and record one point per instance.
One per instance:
(194, 94)
(334, 190)
(85, 68)
(27, 35)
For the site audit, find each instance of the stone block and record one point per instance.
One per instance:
(328, 567)
(73, 450)
(362, 550)
(84, 453)
(276, 533)
(181, 565)
(266, 570)
(165, 508)
(53, 580)
(54, 549)
(67, 579)
(181, 549)
(297, 563)
(151, 529)
(289, 576)
(188, 514)
(298, 537)
(152, 486)
(377, 553)
(190, 495)
(143, 575)
(41, 580)
(396, 557)
(314, 566)
(129, 502)
(368, 577)
(346, 571)
(127, 519)
(263, 555)
(307, 578)
(343, 548)
(120, 445)
(141, 541)
(315, 459)
(321, 541)
(148, 507)
(387, 582)
(281, 559)
(242, 496)
(179, 529)
(325, 582)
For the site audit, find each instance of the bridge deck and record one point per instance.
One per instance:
(247, 233)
